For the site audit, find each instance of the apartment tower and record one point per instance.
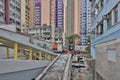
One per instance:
(38, 12)
(59, 14)
(12, 11)
(48, 12)
(72, 17)
(85, 21)
(1, 12)
(27, 14)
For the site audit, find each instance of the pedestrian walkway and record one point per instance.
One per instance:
(79, 73)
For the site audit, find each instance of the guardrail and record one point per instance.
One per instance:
(67, 73)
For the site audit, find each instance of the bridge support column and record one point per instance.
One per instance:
(7, 53)
(35, 56)
(53, 57)
(30, 54)
(40, 55)
(15, 51)
(48, 56)
(21, 54)
(45, 56)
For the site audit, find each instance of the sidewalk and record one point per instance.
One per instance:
(82, 73)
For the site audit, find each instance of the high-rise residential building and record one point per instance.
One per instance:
(12, 11)
(59, 14)
(38, 12)
(72, 17)
(52, 12)
(45, 12)
(32, 13)
(105, 38)
(1, 11)
(27, 14)
(48, 12)
(85, 21)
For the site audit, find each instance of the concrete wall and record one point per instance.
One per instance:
(22, 75)
(108, 61)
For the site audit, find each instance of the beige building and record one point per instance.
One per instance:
(77, 16)
(72, 17)
(27, 15)
(47, 12)
(32, 13)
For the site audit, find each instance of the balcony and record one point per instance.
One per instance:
(12, 10)
(1, 10)
(1, 19)
(11, 2)
(1, 2)
(44, 35)
(17, 19)
(46, 31)
(58, 41)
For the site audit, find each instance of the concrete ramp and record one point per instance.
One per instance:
(59, 69)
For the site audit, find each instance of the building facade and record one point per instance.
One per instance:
(46, 33)
(105, 38)
(27, 14)
(12, 11)
(59, 14)
(48, 12)
(49, 34)
(85, 22)
(2, 12)
(32, 13)
(72, 17)
(38, 12)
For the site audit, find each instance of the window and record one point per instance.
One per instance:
(101, 29)
(112, 17)
(115, 15)
(109, 21)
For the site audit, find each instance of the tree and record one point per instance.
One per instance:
(88, 47)
(71, 40)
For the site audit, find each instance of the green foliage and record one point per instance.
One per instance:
(88, 39)
(72, 38)
(88, 47)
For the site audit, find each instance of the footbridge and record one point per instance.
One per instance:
(32, 59)
(23, 44)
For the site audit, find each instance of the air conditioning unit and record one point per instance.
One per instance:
(105, 17)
